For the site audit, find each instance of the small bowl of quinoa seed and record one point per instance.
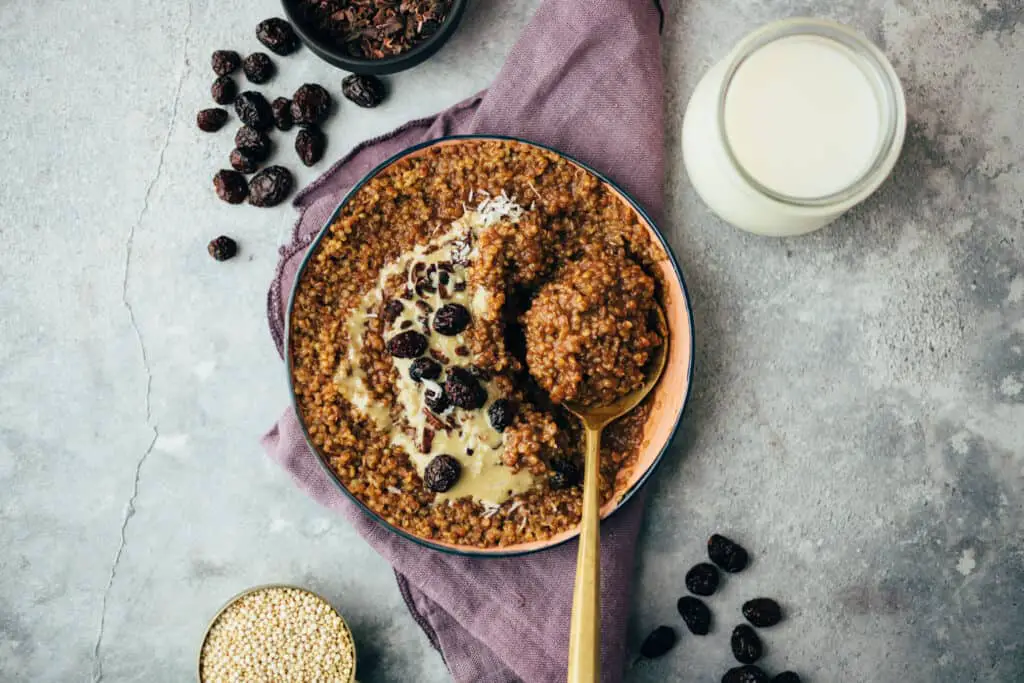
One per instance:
(277, 633)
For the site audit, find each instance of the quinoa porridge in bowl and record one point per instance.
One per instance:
(458, 297)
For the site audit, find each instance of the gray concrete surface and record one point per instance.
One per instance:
(857, 418)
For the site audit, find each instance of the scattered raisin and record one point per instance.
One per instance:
(762, 612)
(696, 614)
(222, 248)
(311, 104)
(441, 473)
(282, 111)
(211, 120)
(451, 319)
(224, 90)
(270, 186)
(366, 91)
(424, 368)
(745, 674)
(702, 579)
(746, 646)
(660, 641)
(408, 344)
(437, 401)
(253, 110)
(258, 67)
(230, 186)
(278, 36)
(786, 677)
(244, 161)
(225, 62)
(462, 388)
(309, 145)
(502, 412)
(253, 142)
(565, 474)
(392, 310)
(727, 554)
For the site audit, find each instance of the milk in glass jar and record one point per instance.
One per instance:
(801, 121)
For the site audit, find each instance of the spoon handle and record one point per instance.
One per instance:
(585, 625)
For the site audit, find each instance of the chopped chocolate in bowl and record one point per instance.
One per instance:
(403, 346)
(374, 29)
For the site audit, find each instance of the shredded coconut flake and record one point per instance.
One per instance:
(394, 490)
(493, 209)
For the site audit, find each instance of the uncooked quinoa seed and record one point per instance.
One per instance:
(278, 634)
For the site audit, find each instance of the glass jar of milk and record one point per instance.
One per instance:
(801, 121)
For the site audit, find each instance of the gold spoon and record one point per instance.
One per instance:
(585, 624)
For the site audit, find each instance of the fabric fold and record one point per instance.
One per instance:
(585, 79)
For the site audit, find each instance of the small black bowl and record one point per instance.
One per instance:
(337, 56)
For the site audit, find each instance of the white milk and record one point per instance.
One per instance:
(803, 120)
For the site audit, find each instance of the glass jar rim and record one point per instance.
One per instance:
(893, 105)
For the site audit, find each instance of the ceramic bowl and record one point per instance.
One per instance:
(337, 56)
(669, 396)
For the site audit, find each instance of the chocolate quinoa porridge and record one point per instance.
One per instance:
(443, 318)
(588, 331)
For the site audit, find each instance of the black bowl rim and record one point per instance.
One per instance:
(314, 245)
(378, 67)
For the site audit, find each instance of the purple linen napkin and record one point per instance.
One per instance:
(584, 78)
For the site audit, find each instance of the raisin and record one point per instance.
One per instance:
(502, 412)
(408, 344)
(746, 646)
(696, 615)
(311, 104)
(424, 368)
(230, 186)
(727, 554)
(762, 612)
(309, 145)
(702, 579)
(745, 674)
(565, 474)
(255, 144)
(225, 62)
(437, 401)
(392, 310)
(451, 319)
(224, 90)
(366, 91)
(222, 248)
(463, 390)
(243, 161)
(660, 641)
(270, 186)
(254, 111)
(211, 120)
(278, 36)
(786, 677)
(441, 473)
(281, 108)
(258, 67)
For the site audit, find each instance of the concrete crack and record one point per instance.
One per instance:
(129, 511)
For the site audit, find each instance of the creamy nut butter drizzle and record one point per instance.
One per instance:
(466, 435)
